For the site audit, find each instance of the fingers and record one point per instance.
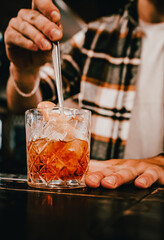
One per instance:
(93, 180)
(32, 31)
(111, 174)
(150, 176)
(119, 178)
(47, 8)
(97, 171)
(19, 40)
(22, 34)
(43, 24)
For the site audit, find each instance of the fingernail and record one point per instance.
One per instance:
(111, 180)
(55, 16)
(93, 178)
(45, 44)
(55, 33)
(142, 181)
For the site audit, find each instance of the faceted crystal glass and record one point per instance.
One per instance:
(58, 147)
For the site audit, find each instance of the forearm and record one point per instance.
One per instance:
(26, 82)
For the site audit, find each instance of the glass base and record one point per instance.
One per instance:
(57, 184)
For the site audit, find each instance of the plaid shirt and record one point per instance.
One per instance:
(101, 66)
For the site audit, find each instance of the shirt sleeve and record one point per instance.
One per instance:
(47, 82)
(72, 62)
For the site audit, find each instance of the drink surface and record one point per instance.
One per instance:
(49, 160)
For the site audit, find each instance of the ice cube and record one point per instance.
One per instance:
(70, 133)
(39, 145)
(72, 122)
(73, 150)
(35, 131)
(82, 130)
(57, 136)
(54, 131)
(46, 104)
(71, 155)
(61, 118)
(60, 127)
(45, 108)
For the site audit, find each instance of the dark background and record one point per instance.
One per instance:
(88, 10)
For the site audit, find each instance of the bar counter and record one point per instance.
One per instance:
(124, 213)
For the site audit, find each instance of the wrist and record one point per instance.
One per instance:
(26, 83)
(25, 79)
(21, 70)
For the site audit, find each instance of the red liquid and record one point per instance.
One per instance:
(57, 160)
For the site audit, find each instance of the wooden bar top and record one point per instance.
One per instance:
(124, 213)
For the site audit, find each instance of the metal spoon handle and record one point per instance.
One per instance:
(57, 68)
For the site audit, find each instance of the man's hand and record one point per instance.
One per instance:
(29, 36)
(28, 40)
(114, 173)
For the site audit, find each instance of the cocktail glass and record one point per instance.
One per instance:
(58, 147)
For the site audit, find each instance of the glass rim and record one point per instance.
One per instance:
(57, 107)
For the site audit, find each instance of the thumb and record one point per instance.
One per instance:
(47, 8)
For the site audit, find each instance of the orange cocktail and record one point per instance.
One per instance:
(58, 147)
